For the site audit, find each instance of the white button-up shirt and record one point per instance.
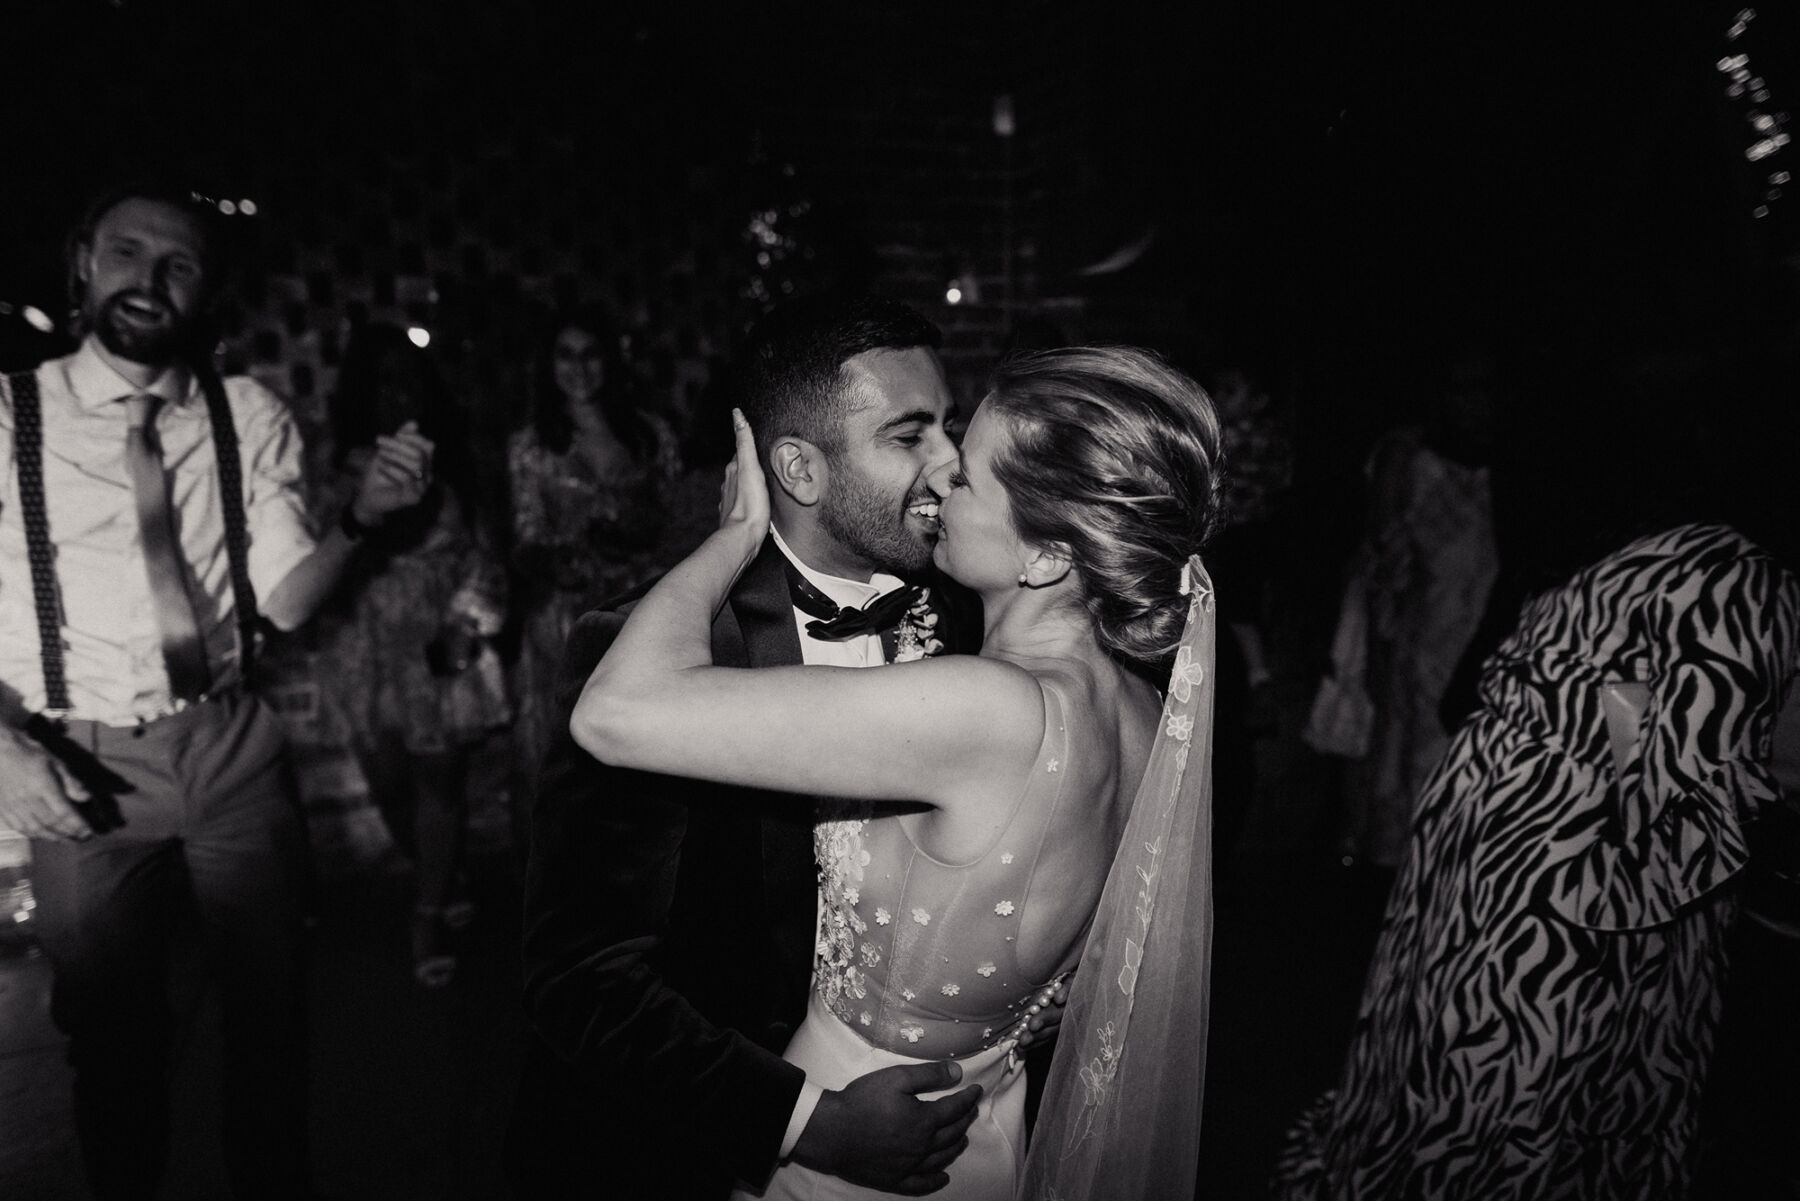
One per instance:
(113, 647)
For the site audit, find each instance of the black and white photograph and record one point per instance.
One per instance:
(1316, 483)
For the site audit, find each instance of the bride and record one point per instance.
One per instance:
(1002, 816)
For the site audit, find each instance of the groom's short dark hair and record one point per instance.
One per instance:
(793, 381)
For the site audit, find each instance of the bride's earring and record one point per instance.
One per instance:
(1021, 579)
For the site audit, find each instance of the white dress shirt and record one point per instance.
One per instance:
(112, 644)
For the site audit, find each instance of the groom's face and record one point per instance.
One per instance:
(877, 504)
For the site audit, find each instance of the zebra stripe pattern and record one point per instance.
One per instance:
(1541, 1006)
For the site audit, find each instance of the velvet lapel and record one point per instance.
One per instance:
(765, 625)
(765, 611)
(764, 614)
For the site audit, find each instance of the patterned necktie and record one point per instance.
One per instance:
(183, 651)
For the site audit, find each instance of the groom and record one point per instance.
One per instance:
(670, 923)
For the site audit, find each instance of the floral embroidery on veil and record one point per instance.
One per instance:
(1098, 1072)
(1116, 1123)
(1097, 1076)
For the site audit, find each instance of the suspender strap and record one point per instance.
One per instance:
(231, 496)
(28, 455)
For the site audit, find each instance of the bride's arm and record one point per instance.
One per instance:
(931, 731)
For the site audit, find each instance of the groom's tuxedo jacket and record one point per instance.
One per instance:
(668, 941)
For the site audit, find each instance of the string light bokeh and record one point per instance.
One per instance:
(1768, 125)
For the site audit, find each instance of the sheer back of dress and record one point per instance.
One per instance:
(934, 959)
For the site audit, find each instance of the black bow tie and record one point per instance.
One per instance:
(836, 622)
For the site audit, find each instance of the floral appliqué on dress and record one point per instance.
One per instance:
(838, 848)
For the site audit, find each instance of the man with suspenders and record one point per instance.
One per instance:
(146, 507)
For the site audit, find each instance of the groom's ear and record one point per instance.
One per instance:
(799, 469)
(1047, 565)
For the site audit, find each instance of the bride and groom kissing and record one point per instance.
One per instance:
(734, 984)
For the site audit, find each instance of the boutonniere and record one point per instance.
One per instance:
(916, 635)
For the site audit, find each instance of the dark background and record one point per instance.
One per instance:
(1339, 179)
(1337, 196)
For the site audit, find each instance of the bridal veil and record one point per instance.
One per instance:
(1121, 1110)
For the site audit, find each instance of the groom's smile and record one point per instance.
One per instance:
(878, 505)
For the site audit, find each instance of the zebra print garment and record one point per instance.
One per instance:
(1541, 1005)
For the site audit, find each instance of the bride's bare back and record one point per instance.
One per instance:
(935, 934)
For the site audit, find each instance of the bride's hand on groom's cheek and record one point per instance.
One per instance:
(877, 1132)
(744, 496)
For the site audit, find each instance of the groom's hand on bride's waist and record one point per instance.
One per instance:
(876, 1131)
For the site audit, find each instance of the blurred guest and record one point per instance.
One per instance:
(1423, 571)
(153, 504)
(1539, 1018)
(411, 661)
(590, 476)
(1259, 461)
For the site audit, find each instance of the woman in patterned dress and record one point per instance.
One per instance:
(409, 646)
(591, 478)
(1085, 484)
(1543, 998)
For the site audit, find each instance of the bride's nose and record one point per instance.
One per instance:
(938, 477)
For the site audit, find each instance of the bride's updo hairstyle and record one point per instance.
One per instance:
(1115, 455)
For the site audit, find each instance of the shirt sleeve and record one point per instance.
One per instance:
(270, 446)
(803, 1112)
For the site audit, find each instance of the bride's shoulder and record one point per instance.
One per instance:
(976, 710)
(979, 682)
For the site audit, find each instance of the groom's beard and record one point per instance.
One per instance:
(873, 525)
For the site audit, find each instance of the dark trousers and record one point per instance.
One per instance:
(212, 831)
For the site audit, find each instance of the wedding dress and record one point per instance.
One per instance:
(919, 960)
